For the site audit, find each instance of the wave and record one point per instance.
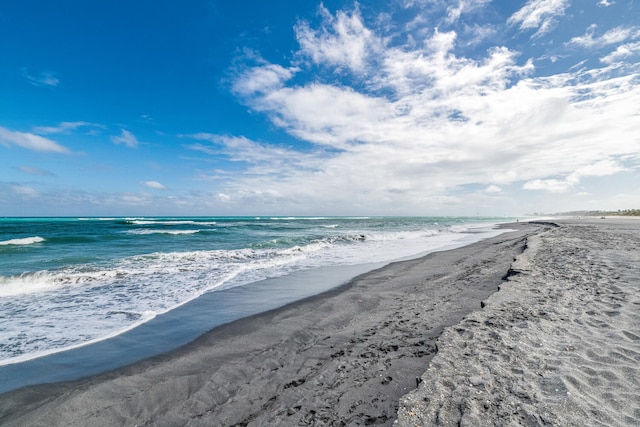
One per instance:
(403, 235)
(167, 222)
(120, 296)
(97, 219)
(173, 232)
(23, 241)
(46, 280)
(297, 218)
(202, 266)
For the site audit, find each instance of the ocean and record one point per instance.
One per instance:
(69, 283)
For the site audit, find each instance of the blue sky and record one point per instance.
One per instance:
(395, 107)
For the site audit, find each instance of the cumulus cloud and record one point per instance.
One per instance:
(30, 141)
(540, 14)
(428, 121)
(126, 138)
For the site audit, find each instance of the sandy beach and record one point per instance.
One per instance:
(558, 344)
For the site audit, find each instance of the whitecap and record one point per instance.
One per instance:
(173, 232)
(24, 241)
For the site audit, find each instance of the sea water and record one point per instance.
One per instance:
(69, 282)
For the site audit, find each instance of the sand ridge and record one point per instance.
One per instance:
(559, 344)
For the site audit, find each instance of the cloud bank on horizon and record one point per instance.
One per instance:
(411, 107)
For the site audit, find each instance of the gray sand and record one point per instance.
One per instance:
(342, 358)
(558, 345)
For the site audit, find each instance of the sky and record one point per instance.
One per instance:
(288, 107)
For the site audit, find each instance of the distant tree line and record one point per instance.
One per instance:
(619, 212)
(626, 212)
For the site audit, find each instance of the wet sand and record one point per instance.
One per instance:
(344, 357)
(558, 345)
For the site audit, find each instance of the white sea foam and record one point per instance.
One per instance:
(25, 283)
(142, 286)
(24, 241)
(97, 219)
(144, 317)
(174, 232)
(162, 222)
(46, 281)
(298, 218)
(403, 235)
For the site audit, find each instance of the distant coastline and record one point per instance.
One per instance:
(619, 212)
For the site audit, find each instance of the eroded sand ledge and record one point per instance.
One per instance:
(558, 345)
(341, 358)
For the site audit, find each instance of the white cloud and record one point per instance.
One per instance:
(600, 168)
(606, 3)
(36, 171)
(476, 34)
(263, 160)
(126, 138)
(540, 14)
(622, 52)
(25, 191)
(133, 199)
(154, 185)
(551, 185)
(223, 197)
(429, 122)
(262, 79)
(64, 127)
(45, 78)
(464, 6)
(343, 41)
(30, 141)
(613, 36)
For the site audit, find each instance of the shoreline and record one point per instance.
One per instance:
(177, 327)
(345, 355)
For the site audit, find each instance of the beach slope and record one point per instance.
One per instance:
(342, 357)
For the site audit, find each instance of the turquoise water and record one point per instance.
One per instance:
(67, 282)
